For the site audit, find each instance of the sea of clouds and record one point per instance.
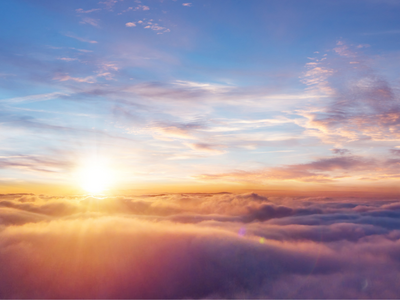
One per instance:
(198, 246)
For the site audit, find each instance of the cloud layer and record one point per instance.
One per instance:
(198, 246)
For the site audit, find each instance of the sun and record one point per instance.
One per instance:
(95, 176)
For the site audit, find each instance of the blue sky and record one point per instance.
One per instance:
(200, 95)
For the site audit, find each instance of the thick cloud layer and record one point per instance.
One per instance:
(198, 246)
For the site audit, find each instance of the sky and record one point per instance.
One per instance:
(198, 96)
(167, 149)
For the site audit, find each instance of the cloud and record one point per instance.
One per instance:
(66, 77)
(109, 4)
(5, 75)
(82, 50)
(35, 126)
(139, 7)
(395, 151)
(343, 50)
(156, 27)
(80, 39)
(206, 148)
(187, 4)
(341, 151)
(322, 170)
(176, 130)
(81, 11)
(130, 24)
(67, 58)
(90, 21)
(35, 163)
(198, 246)
(34, 98)
(150, 23)
(361, 104)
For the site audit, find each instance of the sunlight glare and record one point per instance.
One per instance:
(95, 176)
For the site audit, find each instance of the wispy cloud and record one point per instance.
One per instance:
(35, 164)
(90, 21)
(80, 39)
(4, 75)
(82, 11)
(176, 130)
(66, 77)
(203, 147)
(67, 58)
(109, 4)
(35, 98)
(341, 151)
(362, 104)
(319, 171)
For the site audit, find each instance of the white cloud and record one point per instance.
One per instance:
(130, 24)
(157, 27)
(187, 4)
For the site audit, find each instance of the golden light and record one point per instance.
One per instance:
(95, 176)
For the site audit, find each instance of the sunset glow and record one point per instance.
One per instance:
(95, 177)
(202, 149)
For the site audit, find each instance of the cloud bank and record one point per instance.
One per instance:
(198, 246)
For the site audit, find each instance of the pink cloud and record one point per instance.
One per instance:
(322, 170)
(206, 148)
(65, 77)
